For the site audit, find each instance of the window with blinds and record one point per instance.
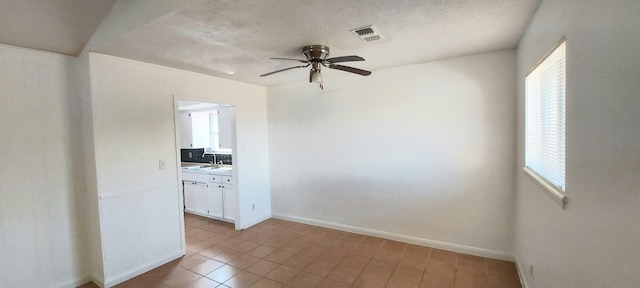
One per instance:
(545, 121)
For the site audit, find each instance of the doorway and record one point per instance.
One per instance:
(205, 143)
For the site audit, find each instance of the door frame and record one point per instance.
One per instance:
(176, 123)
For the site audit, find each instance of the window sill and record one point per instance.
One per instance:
(553, 192)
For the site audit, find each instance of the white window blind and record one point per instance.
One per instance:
(545, 119)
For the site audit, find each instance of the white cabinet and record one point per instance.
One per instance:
(230, 202)
(229, 197)
(190, 195)
(185, 130)
(223, 185)
(201, 196)
(194, 196)
(224, 128)
(201, 130)
(210, 195)
(213, 202)
(195, 130)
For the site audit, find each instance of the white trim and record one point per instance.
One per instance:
(551, 191)
(523, 279)
(256, 221)
(487, 253)
(563, 40)
(124, 276)
(193, 212)
(73, 282)
(97, 279)
(176, 130)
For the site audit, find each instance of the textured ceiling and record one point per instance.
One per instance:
(223, 36)
(60, 26)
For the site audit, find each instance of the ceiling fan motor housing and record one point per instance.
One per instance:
(316, 53)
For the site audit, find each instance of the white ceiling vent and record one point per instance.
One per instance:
(367, 33)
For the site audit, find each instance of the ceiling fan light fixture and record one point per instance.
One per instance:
(316, 77)
(317, 58)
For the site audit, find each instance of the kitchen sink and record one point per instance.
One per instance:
(195, 167)
(216, 168)
(207, 167)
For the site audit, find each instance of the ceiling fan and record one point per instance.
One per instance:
(316, 58)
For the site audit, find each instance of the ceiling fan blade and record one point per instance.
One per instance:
(282, 70)
(344, 59)
(350, 69)
(301, 61)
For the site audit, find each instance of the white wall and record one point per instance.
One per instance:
(595, 241)
(425, 151)
(41, 184)
(133, 126)
(125, 16)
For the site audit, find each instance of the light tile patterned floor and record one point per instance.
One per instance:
(278, 253)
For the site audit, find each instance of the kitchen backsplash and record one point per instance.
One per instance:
(195, 155)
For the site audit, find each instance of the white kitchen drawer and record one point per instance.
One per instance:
(214, 178)
(203, 177)
(197, 177)
(227, 180)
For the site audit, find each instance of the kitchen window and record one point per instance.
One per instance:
(545, 123)
(207, 132)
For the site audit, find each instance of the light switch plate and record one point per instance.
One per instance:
(162, 164)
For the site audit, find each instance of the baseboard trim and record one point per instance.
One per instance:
(256, 221)
(523, 280)
(97, 279)
(209, 216)
(487, 253)
(112, 281)
(74, 282)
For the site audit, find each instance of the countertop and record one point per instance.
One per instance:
(198, 168)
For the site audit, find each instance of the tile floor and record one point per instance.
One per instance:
(278, 253)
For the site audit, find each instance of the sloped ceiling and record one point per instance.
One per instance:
(59, 26)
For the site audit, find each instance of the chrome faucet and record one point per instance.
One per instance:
(212, 162)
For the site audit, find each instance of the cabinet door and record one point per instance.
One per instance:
(225, 117)
(190, 196)
(200, 130)
(202, 191)
(230, 203)
(214, 200)
(185, 131)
